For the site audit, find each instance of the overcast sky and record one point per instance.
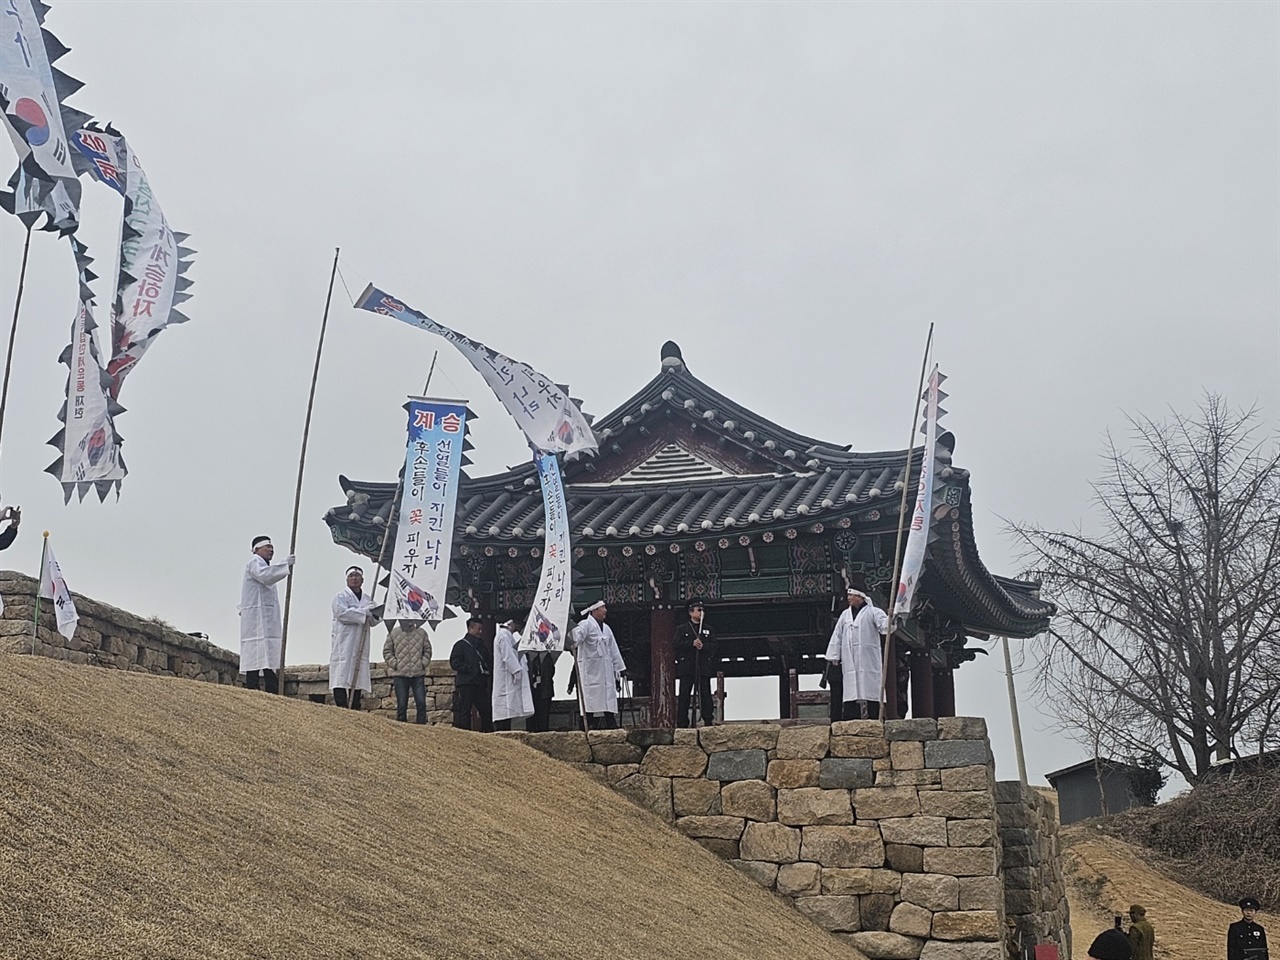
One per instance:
(1082, 197)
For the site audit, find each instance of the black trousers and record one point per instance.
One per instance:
(540, 722)
(253, 677)
(835, 680)
(468, 695)
(606, 721)
(340, 697)
(851, 711)
(502, 724)
(405, 685)
(684, 700)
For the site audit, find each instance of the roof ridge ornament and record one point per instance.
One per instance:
(672, 359)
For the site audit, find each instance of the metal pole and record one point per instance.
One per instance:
(35, 620)
(386, 534)
(13, 329)
(302, 460)
(1013, 712)
(902, 519)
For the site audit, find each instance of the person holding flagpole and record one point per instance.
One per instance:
(600, 666)
(260, 622)
(855, 647)
(353, 615)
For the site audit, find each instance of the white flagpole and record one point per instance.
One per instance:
(35, 620)
(1013, 712)
(902, 520)
(302, 460)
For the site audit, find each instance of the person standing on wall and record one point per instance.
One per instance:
(696, 661)
(512, 696)
(260, 623)
(473, 677)
(600, 666)
(353, 616)
(855, 646)
(407, 655)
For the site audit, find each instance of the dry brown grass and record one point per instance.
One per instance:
(146, 817)
(1105, 875)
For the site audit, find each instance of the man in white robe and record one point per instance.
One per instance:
(855, 646)
(512, 696)
(353, 615)
(600, 666)
(260, 625)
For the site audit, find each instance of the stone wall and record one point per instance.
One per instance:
(311, 682)
(107, 636)
(884, 833)
(1035, 895)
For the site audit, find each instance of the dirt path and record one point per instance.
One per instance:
(1105, 875)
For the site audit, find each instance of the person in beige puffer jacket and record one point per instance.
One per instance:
(407, 654)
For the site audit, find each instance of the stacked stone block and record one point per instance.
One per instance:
(1034, 890)
(312, 680)
(883, 833)
(107, 636)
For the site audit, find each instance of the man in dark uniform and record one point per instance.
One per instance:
(696, 661)
(542, 681)
(1247, 940)
(473, 678)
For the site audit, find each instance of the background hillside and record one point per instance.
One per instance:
(146, 817)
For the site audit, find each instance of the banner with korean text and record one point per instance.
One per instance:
(922, 517)
(424, 530)
(543, 410)
(549, 618)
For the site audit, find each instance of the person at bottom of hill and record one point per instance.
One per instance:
(600, 667)
(473, 677)
(542, 683)
(407, 655)
(1142, 935)
(1246, 939)
(1111, 945)
(353, 616)
(696, 662)
(260, 624)
(512, 696)
(855, 645)
(14, 516)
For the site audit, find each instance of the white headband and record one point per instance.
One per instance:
(595, 606)
(263, 543)
(858, 593)
(351, 570)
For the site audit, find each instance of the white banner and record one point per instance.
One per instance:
(424, 527)
(54, 587)
(549, 618)
(31, 105)
(552, 422)
(922, 516)
(150, 281)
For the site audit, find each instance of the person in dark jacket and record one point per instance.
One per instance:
(542, 680)
(473, 678)
(1246, 940)
(696, 662)
(1111, 945)
(14, 516)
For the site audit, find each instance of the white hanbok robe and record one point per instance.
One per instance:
(352, 619)
(600, 665)
(512, 697)
(260, 625)
(855, 645)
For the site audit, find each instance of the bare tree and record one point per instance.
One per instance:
(1168, 631)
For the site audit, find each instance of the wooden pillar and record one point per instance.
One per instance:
(922, 704)
(662, 666)
(784, 689)
(793, 694)
(720, 696)
(944, 692)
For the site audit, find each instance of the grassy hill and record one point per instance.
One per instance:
(148, 817)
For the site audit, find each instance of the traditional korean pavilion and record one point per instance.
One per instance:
(694, 496)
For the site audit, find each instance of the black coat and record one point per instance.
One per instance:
(1246, 940)
(471, 663)
(691, 661)
(542, 675)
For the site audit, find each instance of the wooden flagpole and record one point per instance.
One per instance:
(13, 329)
(902, 521)
(302, 461)
(35, 620)
(386, 535)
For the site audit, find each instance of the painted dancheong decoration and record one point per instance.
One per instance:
(32, 99)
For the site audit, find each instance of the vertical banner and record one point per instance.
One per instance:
(424, 530)
(549, 618)
(543, 410)
(922, 517)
